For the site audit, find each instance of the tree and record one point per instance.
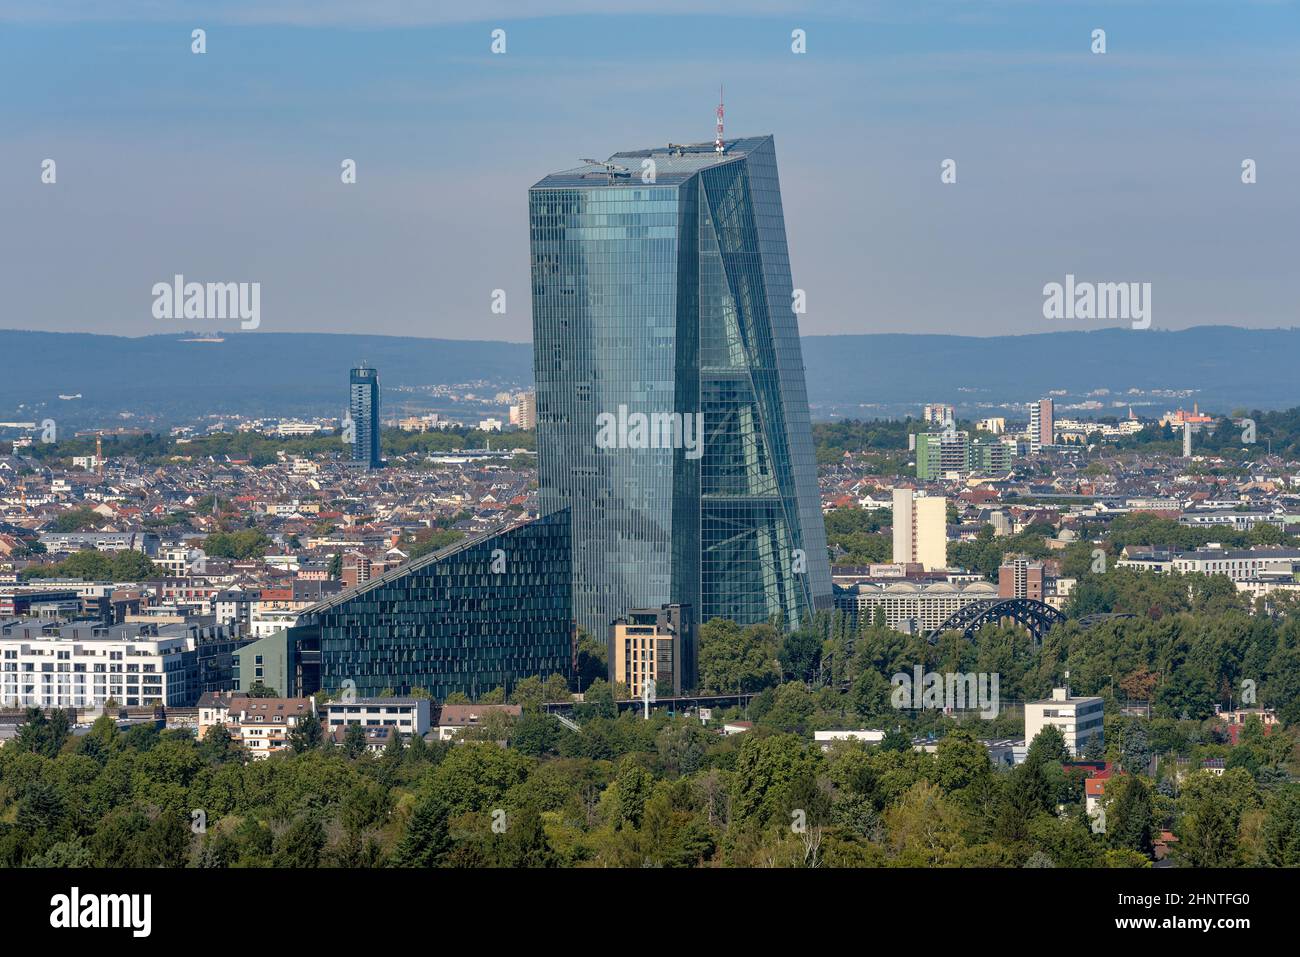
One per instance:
(393, 749)
(628, 793)
(597, 701)
(1207, 834)
(41, 807)
(218, 747)
(1212, 808)
(307, 734)
(734, 659)
(773, 775)
(130, 565)
(1047, 747)
(77, 520)
(243, 544)
(1135, 750)
(800, 654)
(44, 735)
(1129, 814)
(529, 693)
(427, 839)
(593, 660)
(301, 843)
(166, 842)
(924, 828)
(524, 842)
(365, 806)
(354, 741)
(1282, 830)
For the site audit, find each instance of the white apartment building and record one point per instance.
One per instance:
(264, 622)
(58, 672)
(1080, 719)
(297, 428)
(920, 529)
(177, 561)
(1237, 521)
(407, 715)
(1262, 587)
(827, 738)
(1238, 564)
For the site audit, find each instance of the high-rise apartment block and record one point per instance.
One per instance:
(954, 455)
(524, 412)
(940, 415)
(920, 529)
(940, 454)
(1020, 578)
(1041, 425)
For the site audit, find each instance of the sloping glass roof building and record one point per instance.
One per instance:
(483, 612)
(661, 288)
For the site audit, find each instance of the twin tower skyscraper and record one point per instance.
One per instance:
(672, 410)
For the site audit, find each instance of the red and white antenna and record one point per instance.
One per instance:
(717, 143)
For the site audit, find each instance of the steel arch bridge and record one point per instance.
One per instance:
(1035, 616)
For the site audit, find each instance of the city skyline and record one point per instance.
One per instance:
(930, 504)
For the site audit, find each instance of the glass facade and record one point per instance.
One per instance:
(363, 406)
(661, 287)
(482, 613)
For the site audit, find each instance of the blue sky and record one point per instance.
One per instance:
(225, 166)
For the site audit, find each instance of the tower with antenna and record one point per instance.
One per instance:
(717, 142)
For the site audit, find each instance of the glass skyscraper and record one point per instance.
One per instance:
(483, 612)
(661, 288)
(363, 407)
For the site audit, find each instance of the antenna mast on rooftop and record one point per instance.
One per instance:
(717, 143)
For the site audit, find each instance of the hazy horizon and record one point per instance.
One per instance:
(225, 167)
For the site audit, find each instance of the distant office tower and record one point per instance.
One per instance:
(1187, 440)
(920, 529)
(363, 407)
(661, 293)
(1020, 578)
(942, 453)
(1041, 425)
(939, 414)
